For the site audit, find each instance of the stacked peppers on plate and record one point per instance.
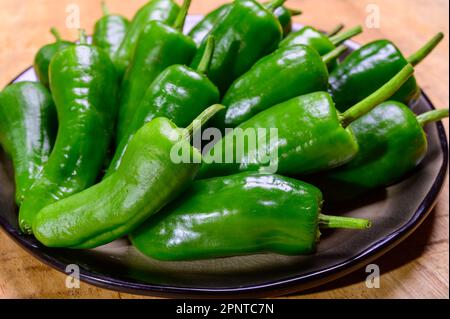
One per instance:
(104, 145)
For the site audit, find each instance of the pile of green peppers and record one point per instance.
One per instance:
(96, 142)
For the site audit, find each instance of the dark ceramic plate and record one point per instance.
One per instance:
(395, 215)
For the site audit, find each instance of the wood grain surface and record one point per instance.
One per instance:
(417, 268)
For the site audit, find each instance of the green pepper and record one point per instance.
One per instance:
(203, 28)
(286, 73)
(311, 136)
(165, 11)
(147, 179)
(392, 143)
(323, 43)
(247, 33)
(110, 31)
(84, 85)
(45, 54)
(367, 68)
(179, 93)
(272, 214)
(27, 130)
(158, 47)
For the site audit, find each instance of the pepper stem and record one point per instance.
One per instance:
(432, 116)
(200, 120)
(83, 37)
(105, 8)
(203, 66)
(294, 12)
(56, 34)
(274, 4)
(344, 36)
(336, 30)
(181, 18)
(326, 221)
(378, 97)
(417, 57)
(333, 55)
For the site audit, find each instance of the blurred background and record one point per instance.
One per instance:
(417, 268)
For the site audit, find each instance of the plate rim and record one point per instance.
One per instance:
(295, 284)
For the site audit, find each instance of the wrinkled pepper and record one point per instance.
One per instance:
(45, 54)
(84, 86)
(273, 214)
(165, 11)
(158, 47)
(286, 73)
(202, 29)
(311, 136)
(27, 130)
(179, 93)
(367, 68)
(146, 180)
(391, 142)
(110, 31)
(247, 33)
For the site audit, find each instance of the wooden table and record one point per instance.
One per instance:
(418, 268)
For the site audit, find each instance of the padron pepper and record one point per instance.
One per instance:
(147, 179)
(310, 136)
(367, 68)
(286, 73)
(27, 130)
(203, 28)
(158, 47)
(110, 31)
(45, 54)
(84, 86)
(248, 32)
(391, 142)
(272, 214)
(179, 93)
(165, 11)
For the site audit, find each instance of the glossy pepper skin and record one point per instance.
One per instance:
(321, 42)
(165, 11)
(202, 29)
(159, 47)
(45, 54)
(284, 74)
(273, 214)
(110, 31)
(146, 180)
(392, 143)
(367, 68)
(311, 136)
(247, 33)
(27, 130)
(84, 86)
(179, 93)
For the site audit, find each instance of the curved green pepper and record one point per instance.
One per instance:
(311, 136)
(203, 28)
(45, 54)
(146, 180)
(84, 85)
(247, 33)
(367, 68)
(27, 130)
(165, 11)
(273, 214)
(391, 142)
(110, 31)
(179, 93)
(286, 73)
(159, 46)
